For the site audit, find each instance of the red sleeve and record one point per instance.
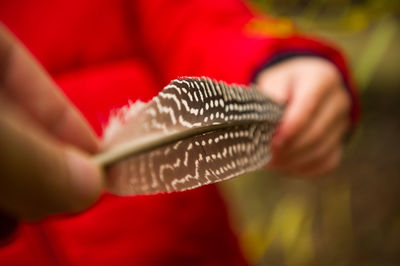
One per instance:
(222, 39)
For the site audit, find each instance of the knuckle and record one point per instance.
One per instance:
(330, 71)
(326, 69)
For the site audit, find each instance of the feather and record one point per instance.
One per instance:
(196, 131)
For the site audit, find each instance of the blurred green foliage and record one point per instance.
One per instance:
(347, 14)
(351, 216)
(365, 28)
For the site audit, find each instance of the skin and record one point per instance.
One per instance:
(309, 140)
(45, 144)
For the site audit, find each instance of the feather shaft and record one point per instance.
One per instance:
(135, 147)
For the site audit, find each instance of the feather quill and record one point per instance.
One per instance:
(196, 131)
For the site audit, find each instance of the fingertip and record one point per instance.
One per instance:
(279, 96)
(282, 136)
(276, 92)
(292, 121)
(86, 180)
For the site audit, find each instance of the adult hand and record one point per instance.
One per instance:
(44, 141)
(309, 140)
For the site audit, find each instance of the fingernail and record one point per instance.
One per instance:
(86, 179)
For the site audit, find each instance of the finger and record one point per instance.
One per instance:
(319, 152)
(26, 83)
(334, 112)
(313, 78)
(305, 101)
(326, 165)
(40, 176)
(275, 83)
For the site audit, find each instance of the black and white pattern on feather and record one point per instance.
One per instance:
(195, 132)
(190, 103)
(194, 102)
(189, 163)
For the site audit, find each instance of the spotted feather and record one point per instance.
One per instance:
(196, 131)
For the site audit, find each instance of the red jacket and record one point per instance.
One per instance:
(103, 53)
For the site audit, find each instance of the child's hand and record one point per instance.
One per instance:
(310, 138)
(40, 171)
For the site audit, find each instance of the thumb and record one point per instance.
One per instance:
(275, 83)
(40, 175)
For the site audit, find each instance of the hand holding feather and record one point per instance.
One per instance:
(195, 132)
(317, 114)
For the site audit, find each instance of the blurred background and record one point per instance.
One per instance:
(351, 216)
